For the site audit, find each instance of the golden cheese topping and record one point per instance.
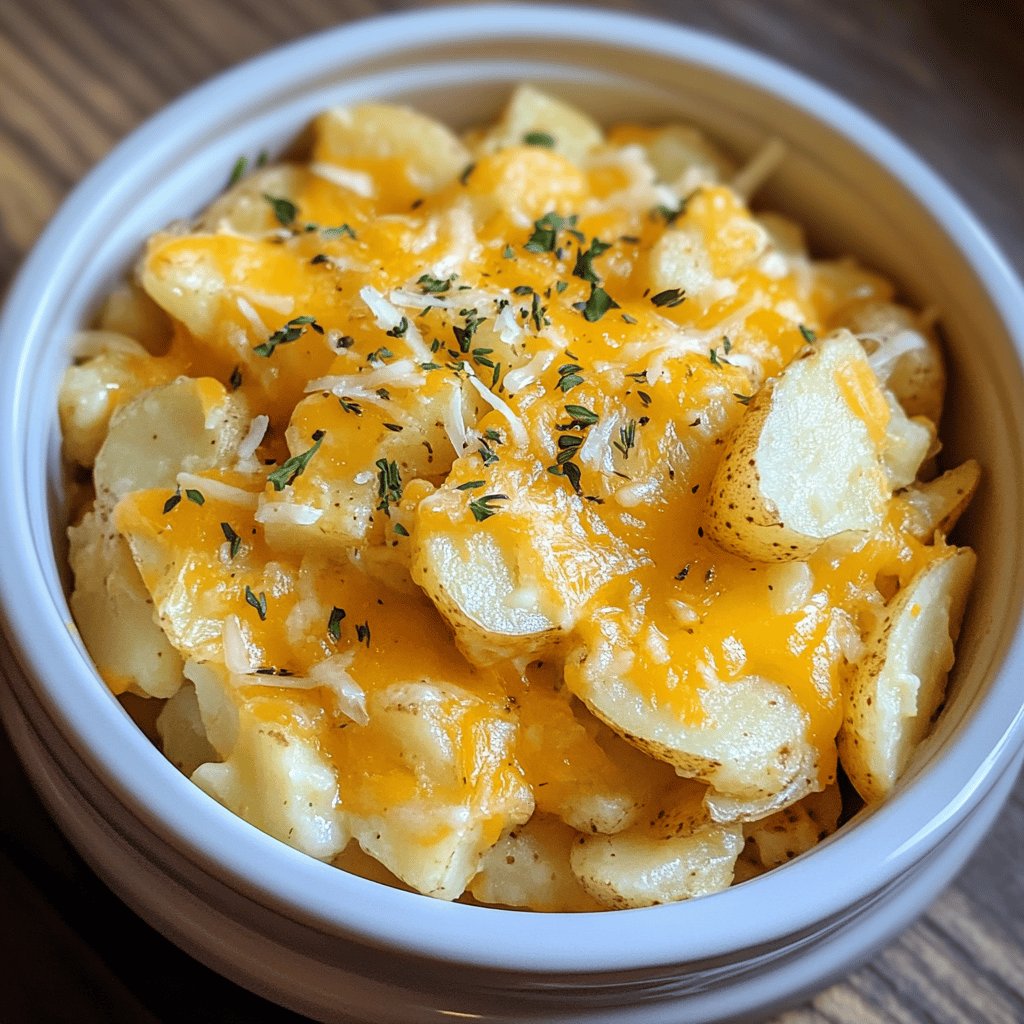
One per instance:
(481, 397)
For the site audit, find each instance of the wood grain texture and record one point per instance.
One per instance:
(77, 75)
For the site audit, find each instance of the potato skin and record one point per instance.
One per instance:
(807, 461)
(894, 692)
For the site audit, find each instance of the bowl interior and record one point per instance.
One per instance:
(856, 190)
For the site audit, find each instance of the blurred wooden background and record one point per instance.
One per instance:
(77, 75)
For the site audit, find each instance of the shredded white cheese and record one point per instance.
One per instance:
(288, 514)
(218, 490)
(345, 177)
(517, 426)
(254, 438)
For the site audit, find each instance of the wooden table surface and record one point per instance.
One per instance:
(77, 75)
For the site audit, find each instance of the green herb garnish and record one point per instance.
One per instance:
(259, 603)
(481, 507)
(291, 331)
(296, 465)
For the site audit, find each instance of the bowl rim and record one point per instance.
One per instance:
(305, 889)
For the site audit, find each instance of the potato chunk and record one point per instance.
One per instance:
(750, 744)
(895, 691)
(794, 830)
(806, 462)
(936, 506)
(114, 613)
(188, 426)
(678, 855)
(420, 149)
(110, 370)
(431, 782)
(529, 867)
(534, 114)
(514, 582)
(916, 370)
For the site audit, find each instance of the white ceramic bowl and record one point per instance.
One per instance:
(338, 947)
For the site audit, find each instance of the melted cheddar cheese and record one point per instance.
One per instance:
(485, 397)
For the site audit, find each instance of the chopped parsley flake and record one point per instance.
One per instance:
(334, 623)
(597, 305)
(380, 354)
(809, 336)
(434, 285)
(196, 497)
(173, 501)
(291, 331)
(349, 406)
(389, 485)
(539, 139)
(669, 297)
(238, 171)
(235, 380)
(401, 530)
(399, 329)
(259, 603)
(284, 209)
(487, 453)
(337, 232)
(363, 633)
(742, 399)
(585, 261)
(470, 485)
(232, 538)
(296, 465)
(482, 507)
(545, 231)
(464, 334)
(538, 312)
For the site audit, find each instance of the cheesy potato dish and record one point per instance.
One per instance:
(517, 517)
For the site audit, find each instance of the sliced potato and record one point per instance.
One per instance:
(531, 114)
(431, 783)
(514, 582)
(129, 311)
(935, 506)
(182, 734)
(678, 855)
(916, 376)
(750, 745)
(335, 502)
(114, 613)
(276, 775)
(110, 370)
(244, 208)
(907, 444)
(796, 829)
(683, 158)
(806, 462)
(895, 691)
(277, 781)
(189, 425)
(420, 148)
(529, 867)
(578, 768)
